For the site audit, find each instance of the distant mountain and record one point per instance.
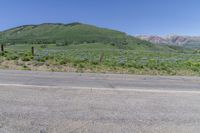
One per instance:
(187, 41)
(153, 39)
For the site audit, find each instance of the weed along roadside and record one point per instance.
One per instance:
(91, 58)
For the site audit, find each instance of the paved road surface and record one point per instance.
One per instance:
(41, 102)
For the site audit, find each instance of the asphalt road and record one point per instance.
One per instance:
(43, 102)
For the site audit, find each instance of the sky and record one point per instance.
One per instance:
(135, 17)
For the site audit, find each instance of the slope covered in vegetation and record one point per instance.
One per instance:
(74, 33)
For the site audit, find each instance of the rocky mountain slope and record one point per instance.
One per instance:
(187, 41)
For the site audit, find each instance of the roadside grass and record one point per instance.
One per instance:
(104, 58)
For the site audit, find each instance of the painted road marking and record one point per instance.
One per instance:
(103, 89)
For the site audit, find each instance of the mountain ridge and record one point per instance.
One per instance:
(71, 33)
(74, 33)
(180, 40)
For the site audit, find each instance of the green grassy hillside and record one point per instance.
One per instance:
(50, 33)
(74, 33)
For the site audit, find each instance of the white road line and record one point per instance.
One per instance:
(134, 89)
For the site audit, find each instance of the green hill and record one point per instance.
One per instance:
(50, 33)
(73, 33)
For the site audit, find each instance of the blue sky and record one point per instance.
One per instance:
(155, 17)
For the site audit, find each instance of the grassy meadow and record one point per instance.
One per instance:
(104, 58)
